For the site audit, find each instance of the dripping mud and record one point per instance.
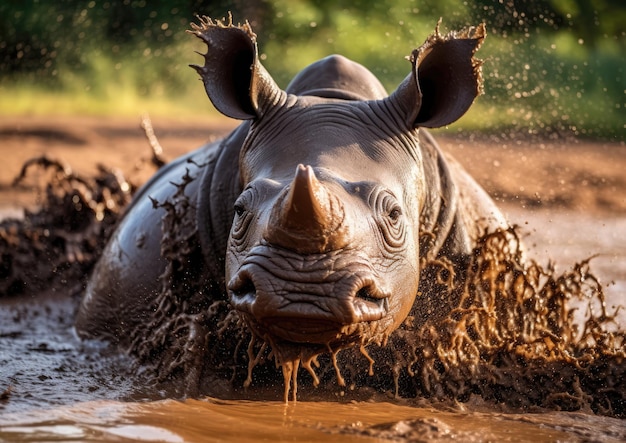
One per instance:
(528, 347)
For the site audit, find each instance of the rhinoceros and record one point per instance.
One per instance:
(314, 218)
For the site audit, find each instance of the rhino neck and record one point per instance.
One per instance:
(441, 230)
(219, 187)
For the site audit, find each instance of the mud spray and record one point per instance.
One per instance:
(510, 337)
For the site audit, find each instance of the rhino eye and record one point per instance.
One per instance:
(243, 218)
(389, 218)
(239, 210)
(244, 202)
(395, 213)
(390, 207)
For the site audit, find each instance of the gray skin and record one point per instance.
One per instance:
(317, 214)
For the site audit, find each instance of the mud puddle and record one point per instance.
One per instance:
(242, 421)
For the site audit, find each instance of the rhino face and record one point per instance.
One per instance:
(323, 250)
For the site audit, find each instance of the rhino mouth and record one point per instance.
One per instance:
(308, 303)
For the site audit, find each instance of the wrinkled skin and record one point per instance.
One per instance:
(317, 214)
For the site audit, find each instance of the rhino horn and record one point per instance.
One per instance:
(234, 79)
(444, 80)
(308, 218)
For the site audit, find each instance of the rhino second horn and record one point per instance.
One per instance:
(308, 218)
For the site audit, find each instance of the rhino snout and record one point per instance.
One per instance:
(324, 308)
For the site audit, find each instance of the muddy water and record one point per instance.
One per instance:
(62, 389)
(205, 420)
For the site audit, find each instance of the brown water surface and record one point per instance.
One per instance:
(242, 421)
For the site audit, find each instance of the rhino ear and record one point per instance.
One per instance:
(234, 79)
(444, 81)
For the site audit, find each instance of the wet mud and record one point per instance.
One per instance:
(43, 364)
(523, 343)
(56, 245)
(245, 421)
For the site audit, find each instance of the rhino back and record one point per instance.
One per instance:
(458, 211)
(126, 280)
(336, 76)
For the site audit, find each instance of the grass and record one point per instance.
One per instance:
(28, 100)
(542, 84)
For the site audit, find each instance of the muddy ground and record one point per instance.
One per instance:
(577, 176)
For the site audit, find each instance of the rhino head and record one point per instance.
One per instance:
(323, 251)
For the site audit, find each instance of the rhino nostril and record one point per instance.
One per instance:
(243, 286)
(368, 293)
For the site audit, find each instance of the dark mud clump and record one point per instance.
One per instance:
(57, 245)
(193, 336)
(511, 338)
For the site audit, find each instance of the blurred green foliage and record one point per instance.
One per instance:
(551, 66)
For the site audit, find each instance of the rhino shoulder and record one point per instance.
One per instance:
(126, 279)
(458, 211)
(477, 212)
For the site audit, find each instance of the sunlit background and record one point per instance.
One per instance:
(552, 67)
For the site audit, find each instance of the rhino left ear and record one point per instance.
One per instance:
(234, 79)
(444, 81)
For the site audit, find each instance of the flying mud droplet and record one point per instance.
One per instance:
(307, 365)
(340, 380)
(253, 359)
(290, 375)
(363, 351)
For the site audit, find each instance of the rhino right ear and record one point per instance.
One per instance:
(234, 79)
(444, 81)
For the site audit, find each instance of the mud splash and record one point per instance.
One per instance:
(57, 245)
(514, 331)
(511, 339)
